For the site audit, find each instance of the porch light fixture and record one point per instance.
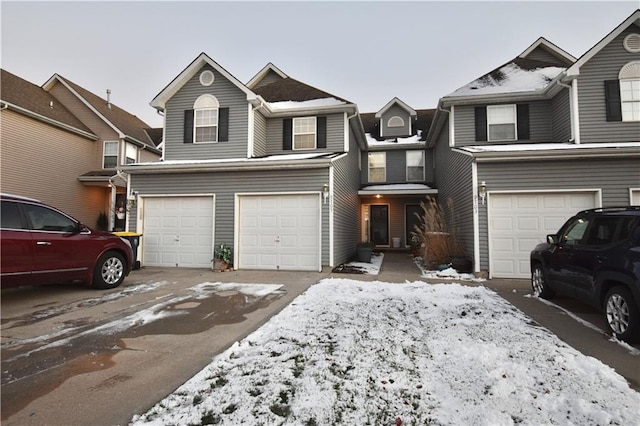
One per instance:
(325, 193)
(482, 191)
(132, 199)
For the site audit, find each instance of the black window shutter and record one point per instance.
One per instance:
(321, 132)
(223, 124)
(612, 100)
(522, 111)
(188, 126)
(287, 133)
(481, 123)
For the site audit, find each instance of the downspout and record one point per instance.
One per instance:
(164, 127)
(573, 110)
(452, 139)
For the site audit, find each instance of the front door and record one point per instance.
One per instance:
(379, 224)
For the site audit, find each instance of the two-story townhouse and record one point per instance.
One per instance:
(270, 168)
(524, 147)
(396, 173)
(44, 148)
(122, 139)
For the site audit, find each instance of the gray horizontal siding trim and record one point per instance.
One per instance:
(561, 116)
(540, 54)
(613, 176)
(270, 77)
(335, 135)
(605, 65)
(229, 96)
(393, 111)
(225, 185)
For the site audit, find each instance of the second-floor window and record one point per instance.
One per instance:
(304, 133)
(622, 96)
(395, 121)
(206, 119)
(415, 166)
(110, 155)
(131, 154)
(501, 122)
(630, 98)
(377, 167)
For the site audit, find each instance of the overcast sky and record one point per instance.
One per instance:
(367, 52)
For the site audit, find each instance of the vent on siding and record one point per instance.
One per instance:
(632, 43)
(206, 78)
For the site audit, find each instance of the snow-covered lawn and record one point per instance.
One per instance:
(355, 353)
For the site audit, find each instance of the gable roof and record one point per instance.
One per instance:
(181, 79)
(422, 123)
(396, 101)
(126, 124)
(289, 89)
(19, 94)
(563, 57)
(634, 18)
(269, 68)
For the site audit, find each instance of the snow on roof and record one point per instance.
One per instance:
(546, 146)
(509, 79)
(283, 157)
(415, 139)
(283, 105)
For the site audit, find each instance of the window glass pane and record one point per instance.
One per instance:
(502, 131)
(377, 159)
(111, 148)
(206, 117)
(131, 153)
(110, 162)
(575, 232)
(44, 219)
(206, 134)
(377, 175)
(415, 158)
(630, 90)
(395, 122)
(304, 141)
(377, 167)
(10, 217)
(304, 125)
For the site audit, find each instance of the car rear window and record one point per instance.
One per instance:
(610, 229)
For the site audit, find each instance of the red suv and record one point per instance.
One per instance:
(42, 245)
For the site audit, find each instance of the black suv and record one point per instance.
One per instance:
(595, 257)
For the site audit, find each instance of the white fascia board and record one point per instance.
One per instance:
(160, 167)
(530, 95)
(573, 154)
(574, 69)
(412, 112)
(48, 120)
(181, 79)
(318, 110)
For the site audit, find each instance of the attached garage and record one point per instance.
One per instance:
(519, 221)
(178, 231)
(634, 196)
(279, 232)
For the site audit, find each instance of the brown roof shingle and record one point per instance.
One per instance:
(289, 89)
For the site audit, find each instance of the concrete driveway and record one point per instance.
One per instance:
(100, 377)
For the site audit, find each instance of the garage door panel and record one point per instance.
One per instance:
(178, 231)
(288, 233)
(515, 231)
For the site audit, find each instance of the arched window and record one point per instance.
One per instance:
(630, 91)
(206, 119)
(395, 121)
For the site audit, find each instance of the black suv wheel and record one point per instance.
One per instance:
(621, 314)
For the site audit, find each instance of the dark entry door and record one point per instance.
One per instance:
(379, 224)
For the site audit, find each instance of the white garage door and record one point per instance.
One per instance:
(178, 231)
(517, 222)
(279, 232)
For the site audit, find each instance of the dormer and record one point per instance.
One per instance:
(396, 119)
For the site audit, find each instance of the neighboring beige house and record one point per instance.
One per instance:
(61, 144)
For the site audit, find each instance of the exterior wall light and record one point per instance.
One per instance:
(325, 193)
(482, 191)
(132, 199)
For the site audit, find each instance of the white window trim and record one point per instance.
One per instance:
(384, 154)
(293, 133)
(629, 73)
(396, 118)
(515, 122)
(211, 103)
(104, 146)
(407, 166)
(137, 151)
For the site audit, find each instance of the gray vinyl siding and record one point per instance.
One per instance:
(270, 77)
(396, 167)
(540, 124)
(259, 135)
(335, 135)
(346, 216)
(561, 114)
(539, 54)
(229, 96)
(453, 175)
(613, 176)
(605, 65)
(225, 185)
(393, 111)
